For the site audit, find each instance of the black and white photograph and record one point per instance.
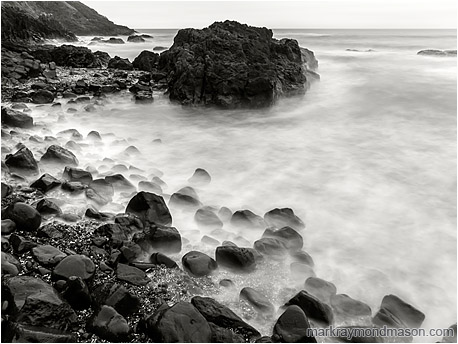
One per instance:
(229, 171)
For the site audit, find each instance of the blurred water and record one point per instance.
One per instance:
(367, 158)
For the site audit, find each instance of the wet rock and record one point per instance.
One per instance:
(45, 183)
(131, 275)
(259, 302)
(8, 227)
(247, 219)
(26, 217)
(20, 244)
(109, 325)
(346, 307)
(210, 241)
(222, 316)
(36, 334)
(48, 255)
(180, 323)
(159, 238)
(150, 208)
(120, 63)
(303, 257)
(146, 61)
(282, 217)
(150, 187)
(161, 259)
(206, 217)
(270, 247)
(236, 258)
(313, 307)
(77, 175)
(321, 289)
(74, 265)
(94, 136)
(225, 214)
(6, 189)
(185, 202)
(292, 327)
(301, 271)
(135, 39)
(71, 133)
(200, 177)
(77, 293)
(291, 239)
(437, 52)
(57, 154)
(42, 97)
(224, 335)
(450, 337)
(395, 312)
(94, 214)
(73, 186)
(22, 162)
(40, 304)
(10, 265)
(15, 118)
(102, 188)
(198, 264)
(48, 207)
(119, 182)
(117, 296)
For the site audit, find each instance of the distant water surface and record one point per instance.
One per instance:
(367, 158)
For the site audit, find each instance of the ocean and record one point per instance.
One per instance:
(367, 158)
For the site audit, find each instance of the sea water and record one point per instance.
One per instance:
(367, 158)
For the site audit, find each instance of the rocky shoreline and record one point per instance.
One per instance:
(131, 276)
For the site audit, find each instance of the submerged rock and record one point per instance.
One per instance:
(200, 177)
(77, 175)
(58, 154)
(231, 65)
(247, 219)
(198, 264)
(150, 208)
(206, 217)
(395, 312)
(259, 302)
(320, 288)
(235, 258)
(283, 217)
(291, 239)
(346, 307)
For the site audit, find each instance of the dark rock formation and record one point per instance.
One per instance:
(47, 255)
(120, 63)
(113, 40)
(109, 325)
(231, 65)
(73, 174)
(198, 264)
(48, 207)
(135, 39)
(283, 217)
(291, 239)
(147, 61)
(236, 258)
(395, 312)
(292, 326)
(15, 118)
(22, 161)
(312, 307)
(42, 97)
(150, 208)
(159, 238)
(118, 297)
(58, 154)
(24, 216)
(45, 183)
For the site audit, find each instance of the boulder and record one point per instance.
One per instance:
(120, 63)
(135, 39)
(291, 239)
(48, 207)
(181, 323)
(47, 255)
(313, 308)
(184, 202)
(75, 265)
(58, 154)
(222, 316)
(247, 219)
(147, 61)
(395, 312)
(321, 289)
(200, 177)
(232, 65)
(42, 97)
(292, 327)
(259, 302)
(117, 296)
(198, 264)
(15, 118)
(131, 275)
(22, 161)
(159, 238)
(161, 259)
(76, 292)
(102, 188)
(109, 325)
(270, 247)
(150, 208)
(282, 217)
(119, 182)
(347, 308)
(77, 175)
(8, 227)
(24, 216)
(45, 183)
(206, 217)
(235, 258)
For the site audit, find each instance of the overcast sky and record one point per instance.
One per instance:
(282, 14)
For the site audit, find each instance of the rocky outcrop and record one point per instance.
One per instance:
(233, 65)
(436, 52)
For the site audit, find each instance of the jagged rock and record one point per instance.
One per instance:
(232, 65)
(58, 154)
(146, 61)
(119, 63)
(77, 175)
(292, 327)
(282, 217)
(117, 296)
(321, 289)
(236, 258)
(24, 216)
(159, 238)
(150, 208)
(109, 325)
(247, 219)
(48, 255)
(395, 312)
(22, 161)
(45, 183)
(198, 264)
(259, 302)
(131, 274)
(312, 307)
(291, 239)
(74, 265)
(15, 118)
(222, 316)
(48, 207)
(181, 323)
(206, 217)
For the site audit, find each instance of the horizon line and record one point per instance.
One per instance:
(304, 28)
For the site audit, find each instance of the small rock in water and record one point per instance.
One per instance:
(48, 207)
(77, 175)
(119, 182)
(235, 258)
(58, 154)
(185, 202)
(15, 118)
(159, 238)
(247, 219)
(150, 208)
(225, 214)
(206, 217)
(227, 283)
(198, 264)
(22, 161)
(149, 186)
(210, 241)
(259, 302)
(45, 183)
(303, 257)
(313, 307)
(395, 312)
(94, 136)
(270, 247)
(320, 288)
(283, 217)
(292, 327)
(301, 270)
(345, 307)
(200, 177)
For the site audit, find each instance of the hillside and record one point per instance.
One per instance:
(36, 20)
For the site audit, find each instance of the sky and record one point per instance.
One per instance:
(316, 14)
